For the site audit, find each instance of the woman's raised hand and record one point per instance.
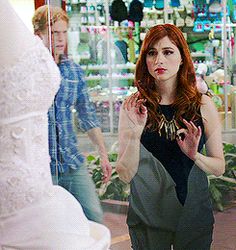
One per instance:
(189, 142)
(134, 114)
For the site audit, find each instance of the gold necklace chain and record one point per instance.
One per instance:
(168, 128)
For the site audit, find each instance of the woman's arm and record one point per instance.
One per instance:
(129, 146)
(214, 162)
(132, 120)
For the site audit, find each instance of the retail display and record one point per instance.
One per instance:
(200, 21)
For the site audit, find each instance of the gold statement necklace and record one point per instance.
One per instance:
(168, 128)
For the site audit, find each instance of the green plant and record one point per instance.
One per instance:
(220, 187)
(115, 189)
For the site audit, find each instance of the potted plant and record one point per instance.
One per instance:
(114, 194)
(222, 188)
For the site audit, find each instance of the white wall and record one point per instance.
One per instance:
(56, 3)
(25, 9)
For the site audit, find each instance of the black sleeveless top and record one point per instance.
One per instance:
(177, 164)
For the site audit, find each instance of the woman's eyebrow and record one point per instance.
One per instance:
(168, 48)
(162, 48)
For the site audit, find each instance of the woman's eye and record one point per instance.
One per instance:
(151, 53)
(168, 52)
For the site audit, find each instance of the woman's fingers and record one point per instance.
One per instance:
(139, 103)
(181, 133)
(192, 130)
(131, 101)
(134, 100)
(142, 109)
(199, 131)
(191, 127)
(188, 125)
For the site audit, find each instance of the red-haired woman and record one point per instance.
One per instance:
(164, 127)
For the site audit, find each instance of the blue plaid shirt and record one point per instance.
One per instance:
(72, 107)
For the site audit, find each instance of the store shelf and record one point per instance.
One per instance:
(105, 66)
(77, 58)
(200, 54)
(103, 77)
(152, 11)
(102, 26)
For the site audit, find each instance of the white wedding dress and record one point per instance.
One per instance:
(34, 214)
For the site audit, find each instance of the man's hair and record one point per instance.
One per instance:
(40, 18)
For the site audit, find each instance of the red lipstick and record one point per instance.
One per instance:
(160, 70)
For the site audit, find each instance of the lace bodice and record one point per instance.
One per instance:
(27, 91)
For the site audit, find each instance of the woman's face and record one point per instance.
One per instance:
(163, 60)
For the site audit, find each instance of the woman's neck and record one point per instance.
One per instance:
(167, 93)
(166, 101)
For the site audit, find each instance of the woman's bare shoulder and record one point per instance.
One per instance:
(206, 99)
(208, 109)
(207, 103)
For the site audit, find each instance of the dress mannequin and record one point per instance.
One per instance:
(34, 214)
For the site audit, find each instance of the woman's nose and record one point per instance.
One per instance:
(158, 59)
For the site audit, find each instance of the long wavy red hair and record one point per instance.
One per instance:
(188, 100)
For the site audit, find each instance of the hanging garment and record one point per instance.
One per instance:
(123, 48)
(148, 3)
(118, 11)
(135, 11)
(175, 3)
(159, 4)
